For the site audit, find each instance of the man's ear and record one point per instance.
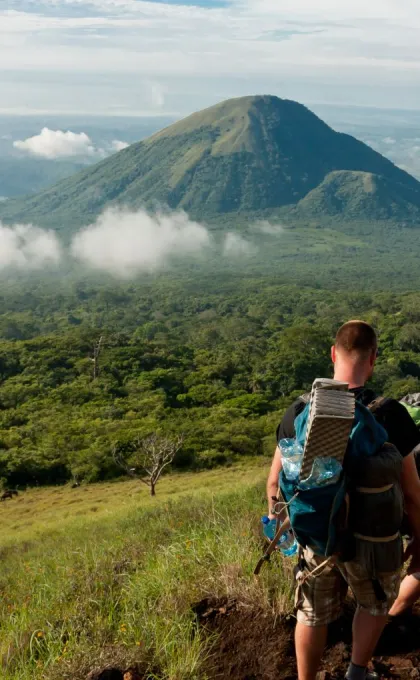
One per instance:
(333, 354)
(373, 358)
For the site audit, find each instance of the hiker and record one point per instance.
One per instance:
(319, 598)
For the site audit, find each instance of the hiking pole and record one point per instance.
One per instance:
(279, 510)
(280, 530)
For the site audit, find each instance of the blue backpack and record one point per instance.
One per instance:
(318, 515)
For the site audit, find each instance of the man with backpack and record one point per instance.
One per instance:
(319, 597)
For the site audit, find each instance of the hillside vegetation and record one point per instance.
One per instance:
(244, 155)
(122, 589)
(360, 193)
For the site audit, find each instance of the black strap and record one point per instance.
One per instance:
(271, 548)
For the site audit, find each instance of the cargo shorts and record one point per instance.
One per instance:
(319, 599)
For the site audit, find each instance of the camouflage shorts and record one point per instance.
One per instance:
(319, 599)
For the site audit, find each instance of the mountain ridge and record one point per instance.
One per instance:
(243, 155)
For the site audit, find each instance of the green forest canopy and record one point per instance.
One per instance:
(216, 360)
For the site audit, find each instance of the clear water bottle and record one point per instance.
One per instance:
(291, 457)
(287, 541)
(324, 471)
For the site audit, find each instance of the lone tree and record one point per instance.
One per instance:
(95, 358)
(149, 458)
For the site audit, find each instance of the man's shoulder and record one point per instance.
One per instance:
(298, 405)
(286, 429)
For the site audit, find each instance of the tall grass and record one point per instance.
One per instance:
(123, 587)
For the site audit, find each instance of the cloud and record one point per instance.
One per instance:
(390, 141)
(265, 227)
(124, 243)
(27, 247)
(118, 145)
(362, 52)
(236, 246)
(53, 144)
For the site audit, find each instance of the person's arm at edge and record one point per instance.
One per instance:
(273, 480)
(410, 483)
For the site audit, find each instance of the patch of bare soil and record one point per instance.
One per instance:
(113, 673)
(254, 645)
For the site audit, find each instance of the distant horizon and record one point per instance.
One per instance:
(25, 113)
(146, 58)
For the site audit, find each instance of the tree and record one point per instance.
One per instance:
(149, 459)
(95, 359)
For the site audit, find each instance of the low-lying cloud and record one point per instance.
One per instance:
(26, 247)
(118, 145)
(55, 144)
(236, 246)
(266, 227)
(124, 242)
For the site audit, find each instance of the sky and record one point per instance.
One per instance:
(132, 57)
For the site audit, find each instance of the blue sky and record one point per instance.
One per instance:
(168, 57)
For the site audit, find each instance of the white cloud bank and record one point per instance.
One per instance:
(27, 247)
(123, 242)
(54, 144)
(236, 246)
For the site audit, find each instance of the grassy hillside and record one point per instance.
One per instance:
(35, 513)
(121, 588)
(243, 155)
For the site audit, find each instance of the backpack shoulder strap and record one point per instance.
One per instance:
(377, 403)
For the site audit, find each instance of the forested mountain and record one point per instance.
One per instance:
(212, 348)
(242, 156)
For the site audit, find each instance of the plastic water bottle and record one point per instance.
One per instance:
(324, 471)
(287, 541)
(291, 458)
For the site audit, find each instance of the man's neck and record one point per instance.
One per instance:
(351, 377)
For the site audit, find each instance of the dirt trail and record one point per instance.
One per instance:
(253, 645)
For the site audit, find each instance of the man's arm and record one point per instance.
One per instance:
(273, 481)
(410, 484)
(286, 430)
